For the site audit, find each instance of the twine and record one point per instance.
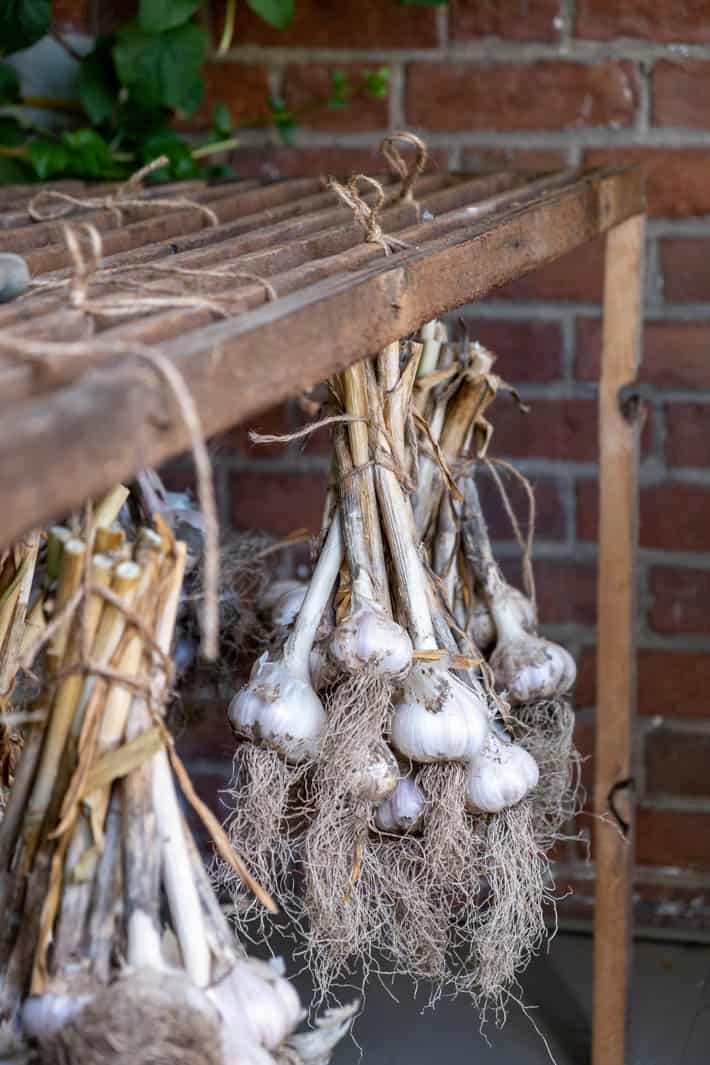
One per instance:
(524, 542)
(407, 172)
(365, 215)
(116, 202)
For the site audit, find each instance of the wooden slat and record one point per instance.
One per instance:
(62, 448)
(619, 431)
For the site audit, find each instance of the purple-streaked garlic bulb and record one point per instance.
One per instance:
(481, 626)
(403, 810)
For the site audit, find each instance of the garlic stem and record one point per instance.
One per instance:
(431, 347)
(398, 523)
(297, 648)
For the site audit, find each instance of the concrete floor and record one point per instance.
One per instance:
(670, 1022)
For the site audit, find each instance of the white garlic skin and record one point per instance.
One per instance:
(368, 639)
(532, 668)
(481, 626)
(501, 775)
(278, 707)
(43, 1015)
(437, 717)
(278, 590)
(378, 779)
(259, 1009)
(403, 810)
(284, 610)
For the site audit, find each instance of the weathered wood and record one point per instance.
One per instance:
(59, 449)
(19, 382)
(619, 432)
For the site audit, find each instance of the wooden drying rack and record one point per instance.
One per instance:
(72, 426)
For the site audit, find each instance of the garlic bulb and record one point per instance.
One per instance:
(527, 667)
(284, 610)
(500, 775)
(403, 810)
(279, 708)
(376, 780)
(437, 717)
(43, 1015)
(481, 627)
(367, 638)
(259, 1007)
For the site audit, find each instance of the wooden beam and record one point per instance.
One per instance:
(619, 430)
(73, 443)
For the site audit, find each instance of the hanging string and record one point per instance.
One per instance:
(408, 173)
(525, 542)
(125, 196)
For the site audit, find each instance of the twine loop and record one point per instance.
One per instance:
(365, 215)
(407, 172)
(126, 195)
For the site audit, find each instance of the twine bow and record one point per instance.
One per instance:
(126, 195)
(365, 215)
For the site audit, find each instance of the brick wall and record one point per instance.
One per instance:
(541, 83)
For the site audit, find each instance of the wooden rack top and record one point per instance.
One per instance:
(301, 296)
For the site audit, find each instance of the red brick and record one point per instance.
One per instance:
(673, 516)
(676, 179)
(653, 20)
(527, 351)
(518, 20)
(575, 276)
(72, 15)
(685, 262)
(585, 689)
(307, 88)
(673, 838)
(550, 520)
(679, 93)
(677, 763)
(548, 94)
(687, 435)
(244, 88)
(476, 159)
(566, 591)
(679, 599)
(675, 354)
(277, 502)
(350, 24)
(673, 683)
(563, 430)
(281, 162)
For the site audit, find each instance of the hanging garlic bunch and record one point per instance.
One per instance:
(501, 774)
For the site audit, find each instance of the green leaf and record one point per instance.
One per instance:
(9, 85)
(158, 15)
(194, 95)
(221, 121)
(277, 13)
(220, 172)
(160, 69)
(90, 155)
(98, 84)
(22, 23)
(49, 158)
(12, 133)
(12, 171)
(168, 142)
(377, 82)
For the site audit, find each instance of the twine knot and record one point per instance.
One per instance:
(407, 172)
(366, 215)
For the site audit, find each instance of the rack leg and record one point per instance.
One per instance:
(619, 426)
